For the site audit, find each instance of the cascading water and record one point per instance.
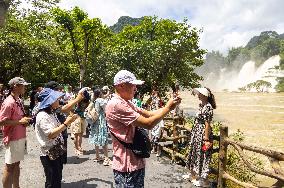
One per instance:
(249, 73)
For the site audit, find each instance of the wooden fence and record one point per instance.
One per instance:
(176, 130)
(273, 156)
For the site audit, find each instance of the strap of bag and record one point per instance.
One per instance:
(127, 145)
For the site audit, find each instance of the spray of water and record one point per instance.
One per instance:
(232, 80)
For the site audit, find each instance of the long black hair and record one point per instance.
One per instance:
(211, 99)
(97, 93)
(47, 110)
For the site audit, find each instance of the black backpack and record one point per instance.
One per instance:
(141, 145)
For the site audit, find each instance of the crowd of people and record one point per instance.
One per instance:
(100, 113)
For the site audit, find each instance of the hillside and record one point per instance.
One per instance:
(258, 50)
(124, 21)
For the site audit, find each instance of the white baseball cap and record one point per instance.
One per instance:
(201, 90)
(105, 88)
(18, 80)
(125, 76)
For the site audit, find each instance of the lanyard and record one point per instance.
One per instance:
(19, 104)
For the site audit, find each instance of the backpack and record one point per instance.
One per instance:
(141, 145)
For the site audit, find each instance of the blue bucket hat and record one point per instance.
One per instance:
(48, 96)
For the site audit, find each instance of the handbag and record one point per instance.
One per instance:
(56, 151)
(92, 112)
(141, 145)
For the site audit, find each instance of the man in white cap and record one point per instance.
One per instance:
(122, 117)
(14, 122)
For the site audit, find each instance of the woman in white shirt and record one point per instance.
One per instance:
(48, 131)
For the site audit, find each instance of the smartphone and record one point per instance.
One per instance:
(86, 95)
(204, 148)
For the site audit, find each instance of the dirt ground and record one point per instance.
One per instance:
(83, 172)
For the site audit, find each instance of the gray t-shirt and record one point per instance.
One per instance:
(45, 123)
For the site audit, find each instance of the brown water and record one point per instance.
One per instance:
(260, 116)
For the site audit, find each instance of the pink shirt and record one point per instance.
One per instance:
(11, 110)
(120, 114)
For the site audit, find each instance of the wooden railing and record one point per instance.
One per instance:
(274, 157)
(176, 130)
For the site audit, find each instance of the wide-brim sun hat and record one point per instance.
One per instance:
(125, 76)
(201, 90)
(48, 96)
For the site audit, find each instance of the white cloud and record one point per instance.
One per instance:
(225, 23)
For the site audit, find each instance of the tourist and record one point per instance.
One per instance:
(14, 121)
(49, 134)
(201, 141)
(79, 125)
(157, 132)
(123, 116)
(98, 133)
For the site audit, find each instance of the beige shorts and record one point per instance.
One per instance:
(15, 151)
(78, 126)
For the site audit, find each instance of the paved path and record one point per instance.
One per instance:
(84, 173)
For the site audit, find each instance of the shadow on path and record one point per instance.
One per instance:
(76, 160)
(85, 184)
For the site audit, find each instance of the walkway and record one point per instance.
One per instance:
(84, 173)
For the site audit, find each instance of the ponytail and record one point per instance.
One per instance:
(211, 99)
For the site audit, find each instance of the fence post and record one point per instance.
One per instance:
(175, 122)
(222, 156)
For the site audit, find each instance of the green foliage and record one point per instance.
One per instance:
(235, 165)
(160, 52)
(259, 86)
(280, 86)
(258, 49)
(69, 47)
(28, 48)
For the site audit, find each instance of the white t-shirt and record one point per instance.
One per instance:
(45, 123)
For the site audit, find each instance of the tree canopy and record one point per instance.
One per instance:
(45, 43)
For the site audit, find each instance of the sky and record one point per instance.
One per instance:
(225, 23)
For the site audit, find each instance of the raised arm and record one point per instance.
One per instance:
(149, 119)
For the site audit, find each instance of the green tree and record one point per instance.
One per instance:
(28, 47)
(259, 86)
(159, 51)
(83, 33)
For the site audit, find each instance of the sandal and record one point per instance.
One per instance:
(78, 152)
(98, 159)
(81, 150)
(107, 162)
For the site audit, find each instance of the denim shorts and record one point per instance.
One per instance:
(133, 179)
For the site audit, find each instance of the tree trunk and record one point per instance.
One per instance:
(4, 5)
(82, 72)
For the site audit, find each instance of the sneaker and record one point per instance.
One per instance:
(200, 183)
(186, 176)
(196, 183)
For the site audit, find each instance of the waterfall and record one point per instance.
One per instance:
(250, 73)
